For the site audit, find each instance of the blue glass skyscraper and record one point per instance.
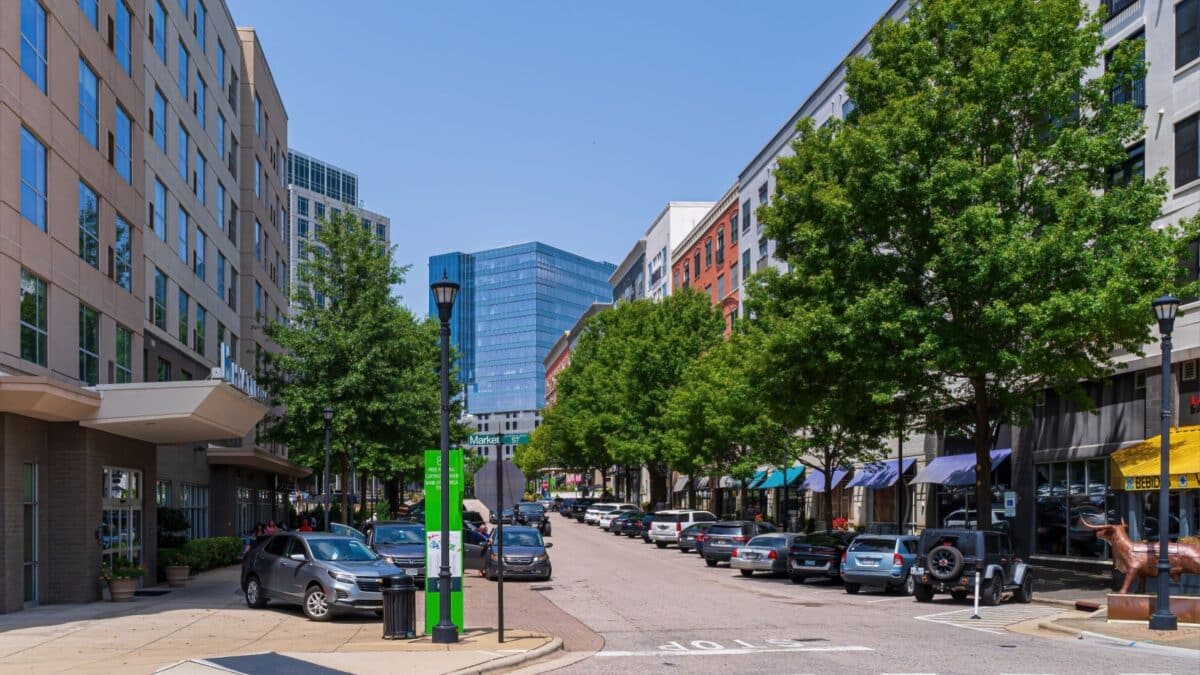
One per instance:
(514, 302)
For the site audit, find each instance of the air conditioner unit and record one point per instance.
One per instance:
(1189, 370)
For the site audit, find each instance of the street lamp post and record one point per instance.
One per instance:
(445, 632)
(328, 414)
(1162, 619)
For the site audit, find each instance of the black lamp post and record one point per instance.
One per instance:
(445, 632)
(1162, 619)
(328, 414)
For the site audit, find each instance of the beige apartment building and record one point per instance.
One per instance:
(120, 225)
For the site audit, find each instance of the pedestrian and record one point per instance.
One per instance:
(304, 526)
(758, 517)
(271, 527)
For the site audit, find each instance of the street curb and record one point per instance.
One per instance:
(1120, 642)
(1069, 604)
(507, 662)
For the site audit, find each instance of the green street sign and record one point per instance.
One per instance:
(498, 439)
(433, 536)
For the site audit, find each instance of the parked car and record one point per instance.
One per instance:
(818, 555)
(525, 555)
(647, 523)
(635, 526)
(948, 561)
(505, 514)
(579, 508)
(764, 553)
(724, 537)
(605, 520)
(472, 517)
(963, 518)
(533, 514)
(401, 543)
(592, 516)
(880, 560)
(324, 573)
(691, 534)
(617, 526)
(668, 524)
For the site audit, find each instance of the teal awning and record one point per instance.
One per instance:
(776, 479)
(759, 476)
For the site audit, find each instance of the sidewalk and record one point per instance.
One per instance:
(209, 620)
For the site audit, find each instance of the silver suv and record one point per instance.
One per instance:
(322, 572)
(667, 525)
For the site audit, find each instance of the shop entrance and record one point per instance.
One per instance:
(120, 532)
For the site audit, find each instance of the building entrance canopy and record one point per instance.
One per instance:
(878, 475)
(956, 470)
(1137, 467)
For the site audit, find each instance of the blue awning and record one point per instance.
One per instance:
(758, 478)
(956, 470)
(877, 475)
(775, 480)
(816, 480)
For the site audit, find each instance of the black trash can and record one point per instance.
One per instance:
(399, 608)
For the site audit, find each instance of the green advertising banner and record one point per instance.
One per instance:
(433, 536)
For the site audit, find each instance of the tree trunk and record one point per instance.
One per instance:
(365, 477)
(827, 498)
(658, 488)
(983, 457)
(391, 493)
(399, 489)
(691, 492)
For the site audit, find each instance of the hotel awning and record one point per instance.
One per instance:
(1138, 467)
(956, 470)
(816, 480)
(46, 398)
(776, 479)
(254, 457)
(877, 475)
(174, 413)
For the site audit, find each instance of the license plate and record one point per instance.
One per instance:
(868, 562)
(750, 556)
(810, 563)
(412, 571)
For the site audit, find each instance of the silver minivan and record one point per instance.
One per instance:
(323, 573)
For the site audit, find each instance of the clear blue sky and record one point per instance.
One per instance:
(481, 124)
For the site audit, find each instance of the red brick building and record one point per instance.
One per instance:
(707, 258)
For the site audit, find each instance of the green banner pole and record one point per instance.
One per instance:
(433, 527)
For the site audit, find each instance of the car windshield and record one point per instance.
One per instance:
(341, 550)
(772, 541)
(530, 508)
(522, 538)
(400, 534)
(862, 545)
(605, 508)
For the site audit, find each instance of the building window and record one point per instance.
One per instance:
(124, 361)
(257, 115)
(302, 205)
(233, 288)
(257, 240)
(182, 73)
(163, 370)
(158, 304)
(1187, 32)
(89, 345)
(123, 161)
(158, 30)
(162, 493)
(763, 197)
(733, 229)
(182, 323)
(733, 276)
(220, 206)
(89, 105)
(33, 42)
(745, 215)
(258, 301)
(696, 263)
(160, 206)
(201, 330)
(123, 254)
(181, 235)
(302, 226)
(181, 154)
(199, 28)
(1187, 159)
(221, 64)
(121, 43)
(1115, 7)
(91, 11)
(201, 166)
(158, 120)
(220, 137)
(720, 247)
(1134, 166)
(720, 287)
(198, 105)
(257, 179)
(220, 275)
(198, 255)
(33, 318)
(1134, 94)
(89, 226)
(708, 253)
(320, 210)
(193, 500)
(33, 180)
(380, 232)
(746, 268)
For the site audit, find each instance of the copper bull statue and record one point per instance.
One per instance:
(1138, 560)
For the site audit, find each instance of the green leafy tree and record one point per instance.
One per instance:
(964, 223)
(361, 353)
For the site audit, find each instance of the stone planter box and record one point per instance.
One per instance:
(177, 575)
(121, 590)
(1139, 607)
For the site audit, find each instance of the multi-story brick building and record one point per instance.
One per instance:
(707, 257)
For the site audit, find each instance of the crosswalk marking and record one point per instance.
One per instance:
(992, 619)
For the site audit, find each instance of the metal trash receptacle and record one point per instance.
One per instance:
(399, 608)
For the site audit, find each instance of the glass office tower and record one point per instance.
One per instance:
(514, 303)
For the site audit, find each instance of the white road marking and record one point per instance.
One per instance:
(728, 651)
(872, 602)
(992, 619)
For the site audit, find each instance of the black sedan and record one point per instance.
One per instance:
(818, 555)
(690, 537)
(506, 515)
(617, 526)
(533, 514)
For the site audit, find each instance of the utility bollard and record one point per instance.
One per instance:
(399, 608)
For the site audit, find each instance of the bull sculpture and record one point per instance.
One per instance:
(1140, 559)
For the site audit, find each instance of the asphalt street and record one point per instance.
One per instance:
(665, 611)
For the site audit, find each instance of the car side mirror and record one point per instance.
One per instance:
(298, 557)
(550, 545)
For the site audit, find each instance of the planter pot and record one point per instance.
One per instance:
(177, 575)
(121, 590)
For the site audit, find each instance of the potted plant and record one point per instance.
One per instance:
(122, 576)
(176, 566)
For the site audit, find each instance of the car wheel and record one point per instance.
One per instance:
(747, 573)
(660, 544)
(684, 549)
(316, 604)
(923, 593)
(959, 595)
(1024, 594)
(254, 594)
(710, 563)
(796, 579)
(852, 589)
(995, 590)
(909, 585)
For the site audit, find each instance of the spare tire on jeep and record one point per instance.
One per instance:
(945, 562)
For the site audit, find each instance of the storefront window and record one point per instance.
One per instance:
(193, 500)
(120, 530)
(245, 511)
(1067, 492)
(162, 493)
(264, 506)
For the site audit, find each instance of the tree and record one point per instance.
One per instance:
(965, 223)
(359, 352)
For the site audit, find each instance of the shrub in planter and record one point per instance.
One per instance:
(121, 575)
(172, 527)
(176, 566)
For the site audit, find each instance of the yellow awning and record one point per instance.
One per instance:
(1138, 467)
